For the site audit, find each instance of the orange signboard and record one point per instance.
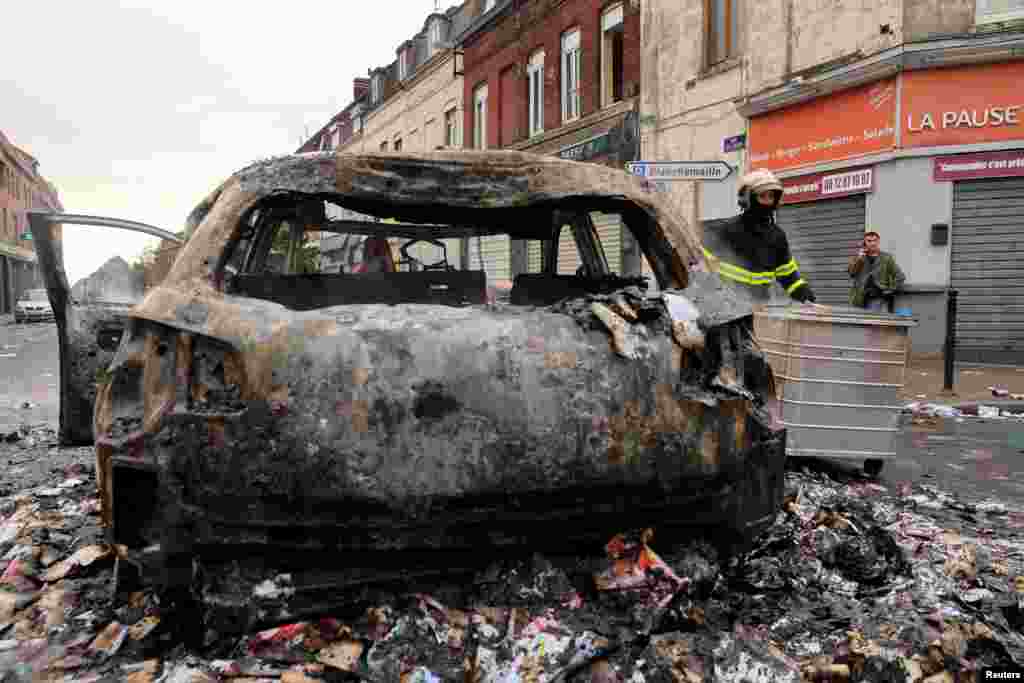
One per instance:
(963, 105)
(850, 123)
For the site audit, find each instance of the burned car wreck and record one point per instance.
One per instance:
(267, 416)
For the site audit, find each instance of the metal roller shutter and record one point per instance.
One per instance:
(568, 255)
(822, 236)
(494, 253)
(609, 229)
(986, 270)
(534, 256)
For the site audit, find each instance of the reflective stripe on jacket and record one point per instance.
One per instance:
(755, 256)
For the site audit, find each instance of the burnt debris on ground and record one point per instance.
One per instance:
(853, 581)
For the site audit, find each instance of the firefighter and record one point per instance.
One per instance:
(750, 250)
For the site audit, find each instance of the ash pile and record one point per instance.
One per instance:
(853, 581)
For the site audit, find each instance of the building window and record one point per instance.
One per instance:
(384, 146)
(571, 75)
(375, 89)
(612, 46)
(535, 81)
(403, 65)
(434, 36)
(398, 144)
(480, 117)
(721, 29)
(451, 129)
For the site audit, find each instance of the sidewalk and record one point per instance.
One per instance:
(971, 383)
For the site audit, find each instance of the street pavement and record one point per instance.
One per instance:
(29, 368)
(978, 459)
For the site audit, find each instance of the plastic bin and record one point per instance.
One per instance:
(838, 375)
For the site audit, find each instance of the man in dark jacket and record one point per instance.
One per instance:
(750, 251)
(876, 276)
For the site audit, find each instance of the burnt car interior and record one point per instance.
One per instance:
(381, 260)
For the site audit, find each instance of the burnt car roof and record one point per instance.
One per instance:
(462, 187)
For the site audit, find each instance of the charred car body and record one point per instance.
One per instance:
(260, 420)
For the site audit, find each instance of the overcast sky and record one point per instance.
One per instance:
(137, 110)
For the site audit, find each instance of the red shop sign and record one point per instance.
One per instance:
(806, 188)
(980, 165)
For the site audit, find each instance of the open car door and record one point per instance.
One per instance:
(88, 332)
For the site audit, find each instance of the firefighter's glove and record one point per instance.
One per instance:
(804, 295)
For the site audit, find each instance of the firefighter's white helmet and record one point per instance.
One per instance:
(760, 180)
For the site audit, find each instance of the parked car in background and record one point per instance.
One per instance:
(262, 418)
(33, 306)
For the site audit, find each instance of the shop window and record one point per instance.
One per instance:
(535, 80)
(612, 46)
(480, 117)
(571, 75)
(721, 30)
(450, 128)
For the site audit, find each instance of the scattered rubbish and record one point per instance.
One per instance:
(343, 655)
(83, 557)
(278, 587)
(988, 411)
(185, 673)
(636, 569)
(110, 639)
(853, 581)
(143, 628)
(931, 409)
(684, 314)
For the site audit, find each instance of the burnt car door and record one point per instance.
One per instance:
(88, 332)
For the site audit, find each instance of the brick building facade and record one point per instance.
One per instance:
(22, 189)
(524, 37)
(557, 77)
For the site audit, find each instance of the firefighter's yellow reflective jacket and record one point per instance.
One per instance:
(754, 255)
